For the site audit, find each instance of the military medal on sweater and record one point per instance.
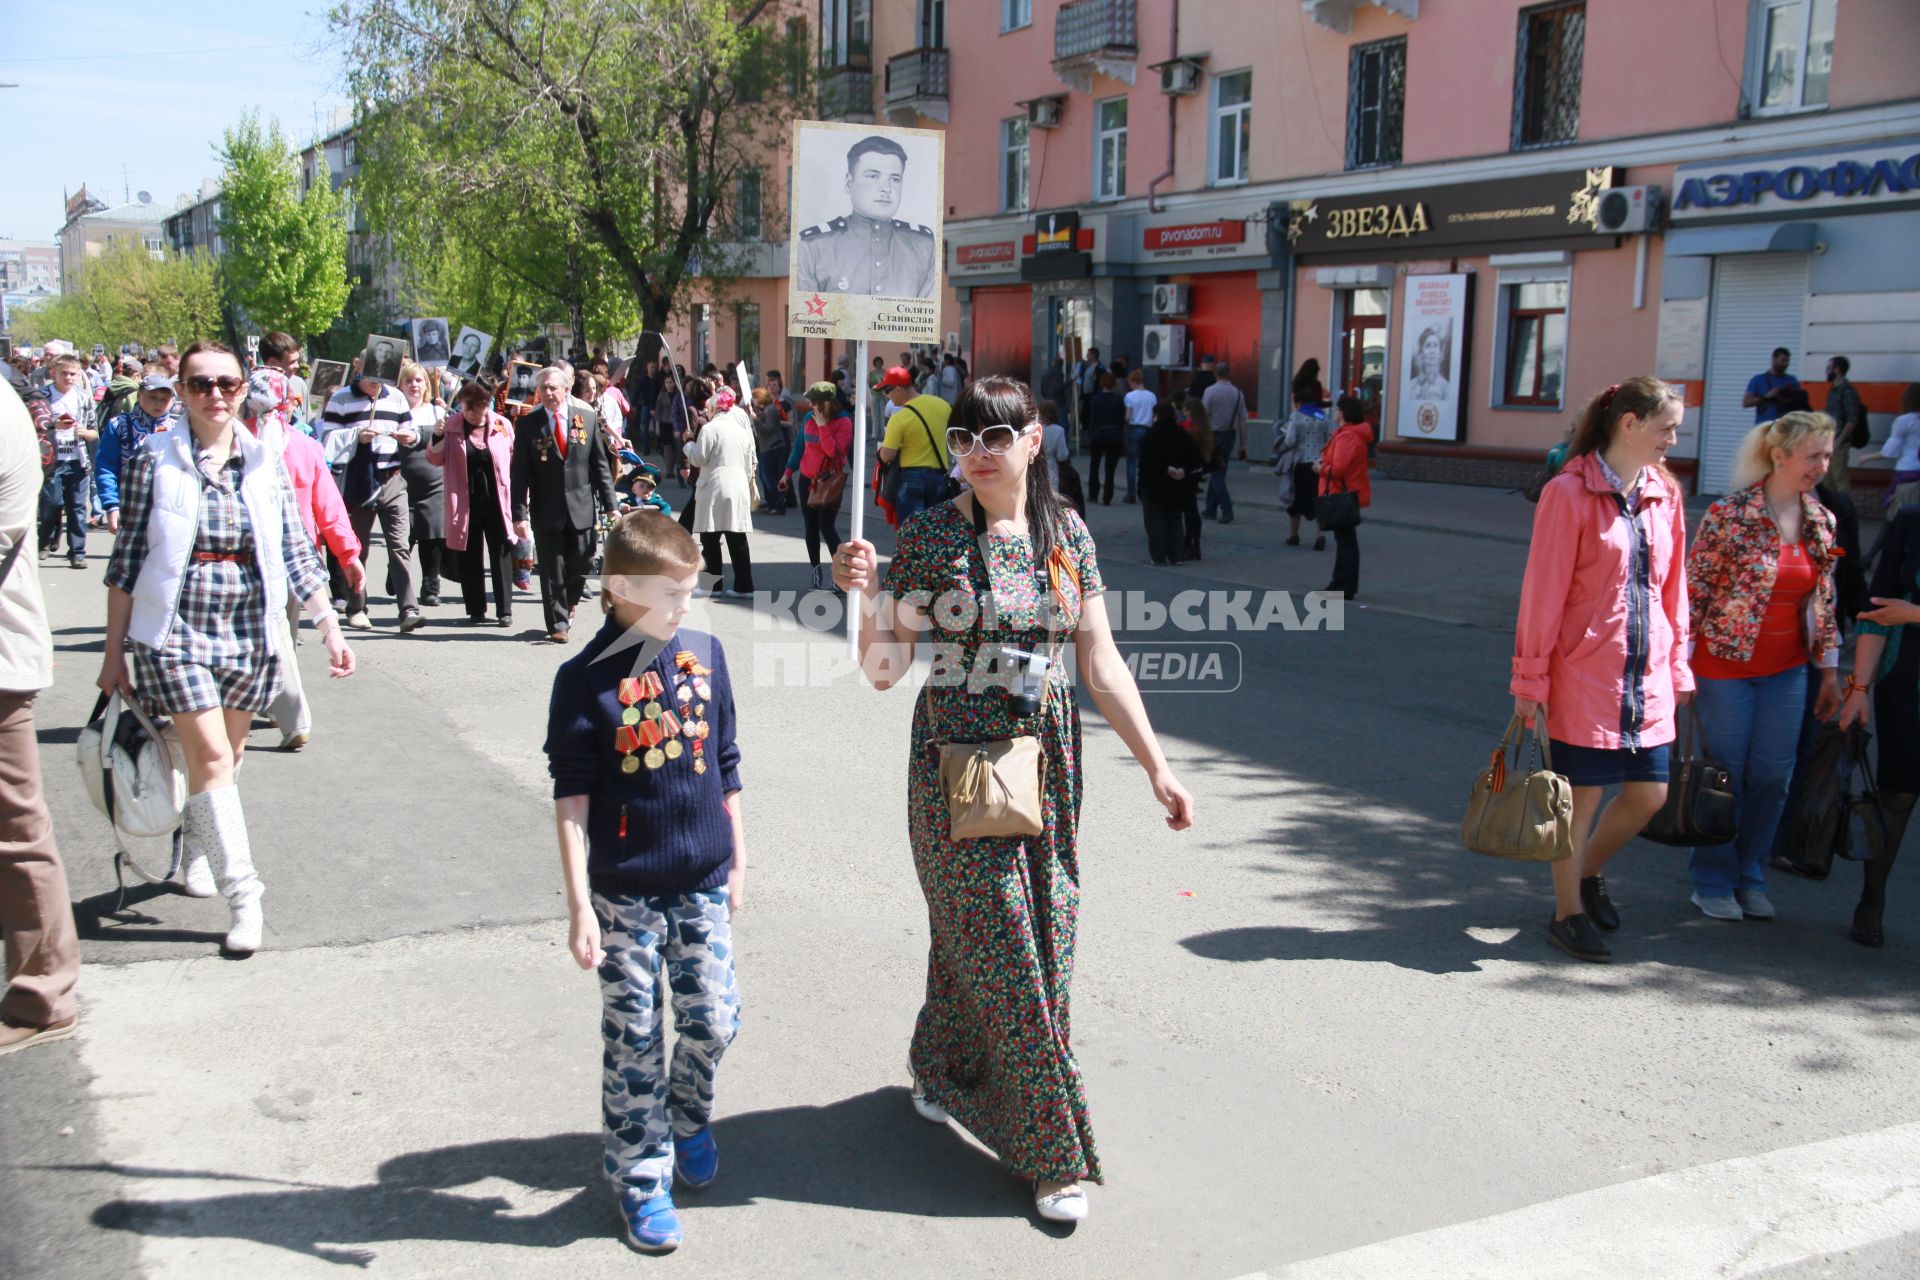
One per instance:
(692, 693)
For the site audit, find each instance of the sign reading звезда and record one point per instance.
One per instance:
(1549, 207)
(1843, 178)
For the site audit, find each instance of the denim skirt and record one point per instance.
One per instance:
(1605, 767)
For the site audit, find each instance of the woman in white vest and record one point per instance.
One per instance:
(210, 540)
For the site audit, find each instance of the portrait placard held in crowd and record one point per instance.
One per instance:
(470, 351)
(384, 357)
(328, 377)
(430, 342)
(865, 258)
(1432, 340)
(520, 376)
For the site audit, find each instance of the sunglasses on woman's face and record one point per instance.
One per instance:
(202, 386)
(996, 440)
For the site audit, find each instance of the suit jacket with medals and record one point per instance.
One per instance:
(553, 490)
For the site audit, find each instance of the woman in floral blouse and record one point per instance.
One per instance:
(1761, 582)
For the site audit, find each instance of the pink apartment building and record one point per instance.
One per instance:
(1474, 215)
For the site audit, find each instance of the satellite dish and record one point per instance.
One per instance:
(146, 197)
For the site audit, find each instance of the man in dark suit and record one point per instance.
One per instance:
(560, 466)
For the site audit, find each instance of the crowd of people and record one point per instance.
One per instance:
(237, 508)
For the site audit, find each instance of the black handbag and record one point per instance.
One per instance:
(1700, 806)
(1861, 830)
(1822, 822)
(1339, 510)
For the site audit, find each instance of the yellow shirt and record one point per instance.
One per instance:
(909, 438)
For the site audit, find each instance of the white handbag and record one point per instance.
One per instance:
(134, 770)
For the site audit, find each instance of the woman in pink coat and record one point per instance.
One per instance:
(1601, 643)
(475, 448)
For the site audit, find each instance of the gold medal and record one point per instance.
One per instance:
(653, 711)
(630, 716)
(673, 748)
(630, 764)
(699, 764)
(655, 757)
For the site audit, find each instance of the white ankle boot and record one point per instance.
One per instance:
(215, 821)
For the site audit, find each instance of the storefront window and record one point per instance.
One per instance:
(1536, 357)
(1110, 144)
(1792, 55)
(1232, 126)
(1362, 349)
(1013, 164)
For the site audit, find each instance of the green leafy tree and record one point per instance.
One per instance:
(284, 252)
(579, 149)
(130, 294)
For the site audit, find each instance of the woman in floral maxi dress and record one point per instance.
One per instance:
(995, 567)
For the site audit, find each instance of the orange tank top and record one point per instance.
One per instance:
(1780, 646)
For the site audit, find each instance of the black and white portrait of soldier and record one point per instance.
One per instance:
(383, 358)
(430, 342)
(869, 249)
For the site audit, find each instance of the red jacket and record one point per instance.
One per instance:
(1343, 463)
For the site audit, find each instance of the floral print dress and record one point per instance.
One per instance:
(991, 1043)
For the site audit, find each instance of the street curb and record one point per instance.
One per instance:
(1744, 1217)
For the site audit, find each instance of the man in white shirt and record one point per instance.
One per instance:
(70, 407)
(1227, 410)
(362, 429)
(1140, 404)
(43, 949)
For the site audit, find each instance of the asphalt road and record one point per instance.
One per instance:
(1311, 1024)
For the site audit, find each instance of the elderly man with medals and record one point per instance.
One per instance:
(560, 469)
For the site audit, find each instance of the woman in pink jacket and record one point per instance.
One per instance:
(474, 446)
(1601, 643)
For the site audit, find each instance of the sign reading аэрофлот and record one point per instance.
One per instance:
(866, 254)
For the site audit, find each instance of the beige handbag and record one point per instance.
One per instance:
(1529, 819)
(994, 788)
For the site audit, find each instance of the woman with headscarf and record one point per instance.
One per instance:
(723, 498)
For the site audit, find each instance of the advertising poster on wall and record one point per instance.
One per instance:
(866, 254)
(1432, 347)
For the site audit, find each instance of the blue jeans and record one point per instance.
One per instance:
(1134, 436)
(772, 462)
(1219, 501)
(1753, 727)
(65, 492)
(920, 488)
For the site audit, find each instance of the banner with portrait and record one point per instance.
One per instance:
(1432, 355)
(866, 254)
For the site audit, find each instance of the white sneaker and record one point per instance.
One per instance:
(295, 740)
(1719, 908)
(196, 880)
(1069, 1204)
(930, 1111)
(1754, 903)
(249, 922)
(360, 621)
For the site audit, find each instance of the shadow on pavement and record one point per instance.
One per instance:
(866, 1152)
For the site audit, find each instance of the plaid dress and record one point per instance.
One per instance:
(218, 652)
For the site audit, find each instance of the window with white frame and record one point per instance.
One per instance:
(1232, 127)
(1790, 55)
(746, 205)
(1533, 358)
(1015, 14)
(1013, 164)
(1110, 149)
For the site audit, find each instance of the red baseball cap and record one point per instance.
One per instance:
(896, 377)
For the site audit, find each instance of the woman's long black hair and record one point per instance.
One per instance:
(1000, 401)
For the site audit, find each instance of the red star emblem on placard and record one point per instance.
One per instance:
(816, 305)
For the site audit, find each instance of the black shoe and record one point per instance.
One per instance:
(429, 602)
(1227, 518)
(507, 621)
(411, 620)
(1578, 938)
(1319, 544)
(1132, 498)
(1293, 541)
(1600, 909)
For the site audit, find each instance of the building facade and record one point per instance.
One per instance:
(91, 225)
(1475, 255)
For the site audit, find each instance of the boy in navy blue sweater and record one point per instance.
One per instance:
(646, 788)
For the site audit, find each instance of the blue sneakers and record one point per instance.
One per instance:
(650, 1226)
(696, 1160)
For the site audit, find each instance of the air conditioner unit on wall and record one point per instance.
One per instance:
(1164, 345)
(1627, 210)
(1169, 299)
(1044, 113)
(1179, 77)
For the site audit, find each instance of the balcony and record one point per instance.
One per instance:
(1095, 37)
(846, 92)
(917, 86)
(1337, 15)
